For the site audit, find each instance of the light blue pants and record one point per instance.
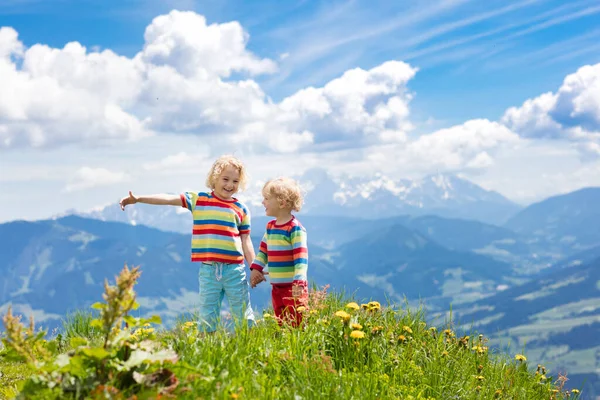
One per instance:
(220, 279)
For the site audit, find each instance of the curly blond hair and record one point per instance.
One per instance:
(287, 192)
(220, 164)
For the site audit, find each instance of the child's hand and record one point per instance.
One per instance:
(296, 291)
(131, 199)
(256, 277)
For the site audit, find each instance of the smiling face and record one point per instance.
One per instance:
(227, 183)
(272, 207)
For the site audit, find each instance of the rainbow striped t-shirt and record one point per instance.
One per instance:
(218, 225)
(283, 249)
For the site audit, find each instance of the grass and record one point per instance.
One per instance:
(344, 351)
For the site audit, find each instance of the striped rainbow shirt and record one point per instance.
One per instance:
(218, 225)
(284, 251)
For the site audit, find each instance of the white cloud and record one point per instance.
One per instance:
(86, 178)
(184, 41)
(465, 145)
(177, 84)
(572, 113)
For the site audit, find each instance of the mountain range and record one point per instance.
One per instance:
(532, 280)
(444, 195)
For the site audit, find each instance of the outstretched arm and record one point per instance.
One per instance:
(157, 199)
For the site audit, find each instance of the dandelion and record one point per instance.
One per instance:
(575, 391)
(343, 315)
(356, 326)
(407, 329)
(444, 353)
(520, 357)
(402, 338)
(357, 334)
(373, 306)
(353, 306)
(312, 312)
(376, 329)
(267, 316)
(480, 378)
(364, 306)
(448, 333)
(301, 309)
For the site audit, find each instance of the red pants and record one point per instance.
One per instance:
(285, 306)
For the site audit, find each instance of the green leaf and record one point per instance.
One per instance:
(131, 321)
(97, 353)
(76, 342)
(155, 319)
(96, 323)
(98, 306)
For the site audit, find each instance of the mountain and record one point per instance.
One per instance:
(565, 223)
(555, 318)
(374, 198)
(396, 262)
(445, 195)
(53, 266)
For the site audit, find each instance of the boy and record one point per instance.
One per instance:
(220, 240)
(283, 250)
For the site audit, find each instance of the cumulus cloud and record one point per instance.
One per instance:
(86, 178)
(465, 145)
(181, 82)
(572, 113)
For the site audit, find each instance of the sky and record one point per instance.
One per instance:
(98, 97)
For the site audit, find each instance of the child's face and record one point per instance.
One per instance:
(227, 183)
(272, 206)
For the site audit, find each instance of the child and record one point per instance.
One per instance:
(220, 240)
(284, 250)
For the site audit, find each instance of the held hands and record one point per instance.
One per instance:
(131, 199)
(257, 277)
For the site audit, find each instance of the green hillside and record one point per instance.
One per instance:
(345, 350)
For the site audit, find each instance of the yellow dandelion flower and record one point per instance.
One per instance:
(356, 326)
(357, 334)
(407, 329)
(267, 316)
(575, 391)
(376, 329)
(444, 353)
(343, 315)
(353, 306)
(520, 357)
(480, 377)
(313, 311)
(374, 305)
(364, 306)
(301, 309)
(402, 338)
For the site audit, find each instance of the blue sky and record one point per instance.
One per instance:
(453, 83)
(469, 60)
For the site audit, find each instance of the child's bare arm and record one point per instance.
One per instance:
(157, 199)
(248, 249)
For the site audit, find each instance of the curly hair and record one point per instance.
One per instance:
(287, 192)
(220, 164)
